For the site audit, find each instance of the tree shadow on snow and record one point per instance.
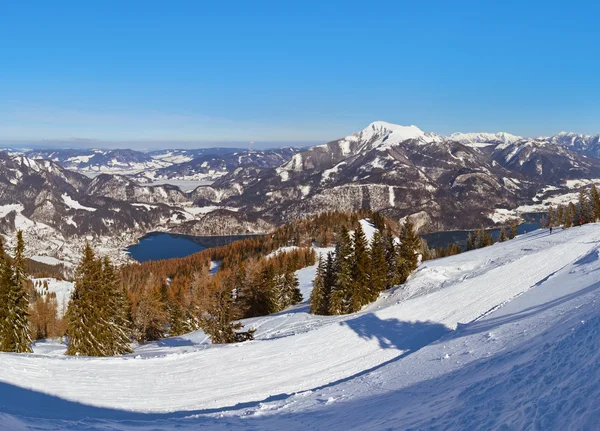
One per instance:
(396, 334)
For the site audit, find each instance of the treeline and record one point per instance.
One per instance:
(483, 238)
(211, 290)
(358, 272)
(175, 296)
(587, 210)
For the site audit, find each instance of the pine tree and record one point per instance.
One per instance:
(82, 313)
(113, 313)
(502, 236)
(584, 207)
(361, 292)
(288, 290)
(97, 322)
(15, 333)
(485, 238)
(471, 242)
(341, 296)
(407, 252)
(391, 257)
(513, 230)
(595, 203)
(319, 302)
(560, 215)
(378, 265)
(329, 279)
(551, 217)
(568, 221)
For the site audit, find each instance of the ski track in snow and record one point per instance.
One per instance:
(501, 337)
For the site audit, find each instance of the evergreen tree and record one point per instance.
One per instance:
(471, 242)
(568, 219)
(15, 333)
(82, 313)
(485, 238)
(391, 257)
(407, 252)
(361, 292)
(513, 230)
(595, 203)
(551, 216)
(341, 296)
(319, 301)
(97, 314)
(378, 265)
(560, 215)
(329, 279)
(113, 310)
(288, 290)
(584, 207)
(503, 237)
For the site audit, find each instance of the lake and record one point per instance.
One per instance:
(445, 238)
(162, 245)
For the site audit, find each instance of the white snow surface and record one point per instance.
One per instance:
(503, 337)
(70, 202)
(62, 288)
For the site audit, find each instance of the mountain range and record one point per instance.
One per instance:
(444, 182)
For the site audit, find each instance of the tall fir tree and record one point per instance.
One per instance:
(502, 237)
(341, 295)
(560, 215)
(82, 313)
(378, 265)
(319, 301)
(595, 203)
(551, 216)
(512, 232)
(114, 312)
(361, 292)
(15, 333)
(391, 257)
(584, 207)
(407, 251)
(97, 314)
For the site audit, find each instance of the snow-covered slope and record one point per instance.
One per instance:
(502, 337)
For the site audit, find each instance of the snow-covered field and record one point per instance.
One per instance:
(503, 337)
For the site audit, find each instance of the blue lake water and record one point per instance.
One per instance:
(445, 238)
(156, 246)
(161, 245)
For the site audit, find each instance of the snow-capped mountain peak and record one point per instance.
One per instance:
(482, 139)
(393, 133)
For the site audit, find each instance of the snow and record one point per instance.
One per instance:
(5, 209)
(282, 250)
(49, 260)
(368, 229)
(503, 337)
(70, 202)
(501, 215)
(207, 209)
(186, 185)
(63, 290)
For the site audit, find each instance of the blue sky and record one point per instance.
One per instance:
(294, 71)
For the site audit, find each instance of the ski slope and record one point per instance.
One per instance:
(501, 337)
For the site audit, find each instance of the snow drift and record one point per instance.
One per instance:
(503, 336)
